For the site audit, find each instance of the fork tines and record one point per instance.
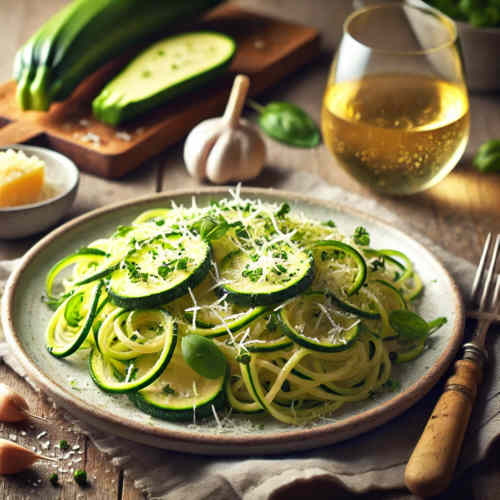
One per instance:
(483, 280)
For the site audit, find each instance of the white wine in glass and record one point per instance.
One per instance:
(395, 110)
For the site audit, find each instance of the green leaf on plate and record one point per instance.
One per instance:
(203, 356)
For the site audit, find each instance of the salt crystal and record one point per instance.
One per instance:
(45, 446)
(84, 122)
(23, 433)
(92, 138)
(41, 435)
(12, 437)
(123, 136)
(76, 447)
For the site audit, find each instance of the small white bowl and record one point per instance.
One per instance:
(25, 220)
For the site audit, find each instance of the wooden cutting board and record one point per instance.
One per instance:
(268, 50)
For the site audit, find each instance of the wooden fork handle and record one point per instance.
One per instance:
(430, 468)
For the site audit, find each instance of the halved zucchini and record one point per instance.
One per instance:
(313, 321)
(71, 323)
(166, 69)
(180, 392)
(160, 271)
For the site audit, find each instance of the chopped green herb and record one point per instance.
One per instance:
(63, 444)
(361, 236)
(377, 264)
(169, 390)
(80, 477)
(252, 274)
(182, 263)
(329, 223)
(283, 210)
(54, 479)
(134, 272)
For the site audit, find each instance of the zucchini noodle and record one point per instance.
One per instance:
(300, 312)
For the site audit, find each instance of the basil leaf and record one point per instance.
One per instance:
(409, 324)
(487, 158)
(288, 123)
(211, 228)
(203, 356)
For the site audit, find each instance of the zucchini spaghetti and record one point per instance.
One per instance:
(239, 305)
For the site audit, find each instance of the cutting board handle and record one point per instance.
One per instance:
(19, 131)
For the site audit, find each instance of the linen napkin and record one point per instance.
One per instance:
(373, 460)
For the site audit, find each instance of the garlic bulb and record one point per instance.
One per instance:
(14, 458)
(228, 148)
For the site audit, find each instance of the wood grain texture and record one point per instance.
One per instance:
(456, 213)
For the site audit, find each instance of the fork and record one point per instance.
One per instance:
(431, 465)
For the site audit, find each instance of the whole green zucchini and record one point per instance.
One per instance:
(84, 35)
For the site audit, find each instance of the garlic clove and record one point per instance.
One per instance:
(198, 145)
(13, 407)
(238, 154)
(14, 458)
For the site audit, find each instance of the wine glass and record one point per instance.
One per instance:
(396, 111)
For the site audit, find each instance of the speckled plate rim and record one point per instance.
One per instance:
(219, 444)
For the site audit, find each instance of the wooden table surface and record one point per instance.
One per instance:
(457, 213)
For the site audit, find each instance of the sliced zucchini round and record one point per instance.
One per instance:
(334, 246)
(71, 323)
(159, 271)
(117, 376)
(181, 394)
(281, 272)
(313, 321)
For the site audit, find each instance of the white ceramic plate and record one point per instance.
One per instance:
(25, 318)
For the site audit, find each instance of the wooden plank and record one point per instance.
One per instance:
(268, 50)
